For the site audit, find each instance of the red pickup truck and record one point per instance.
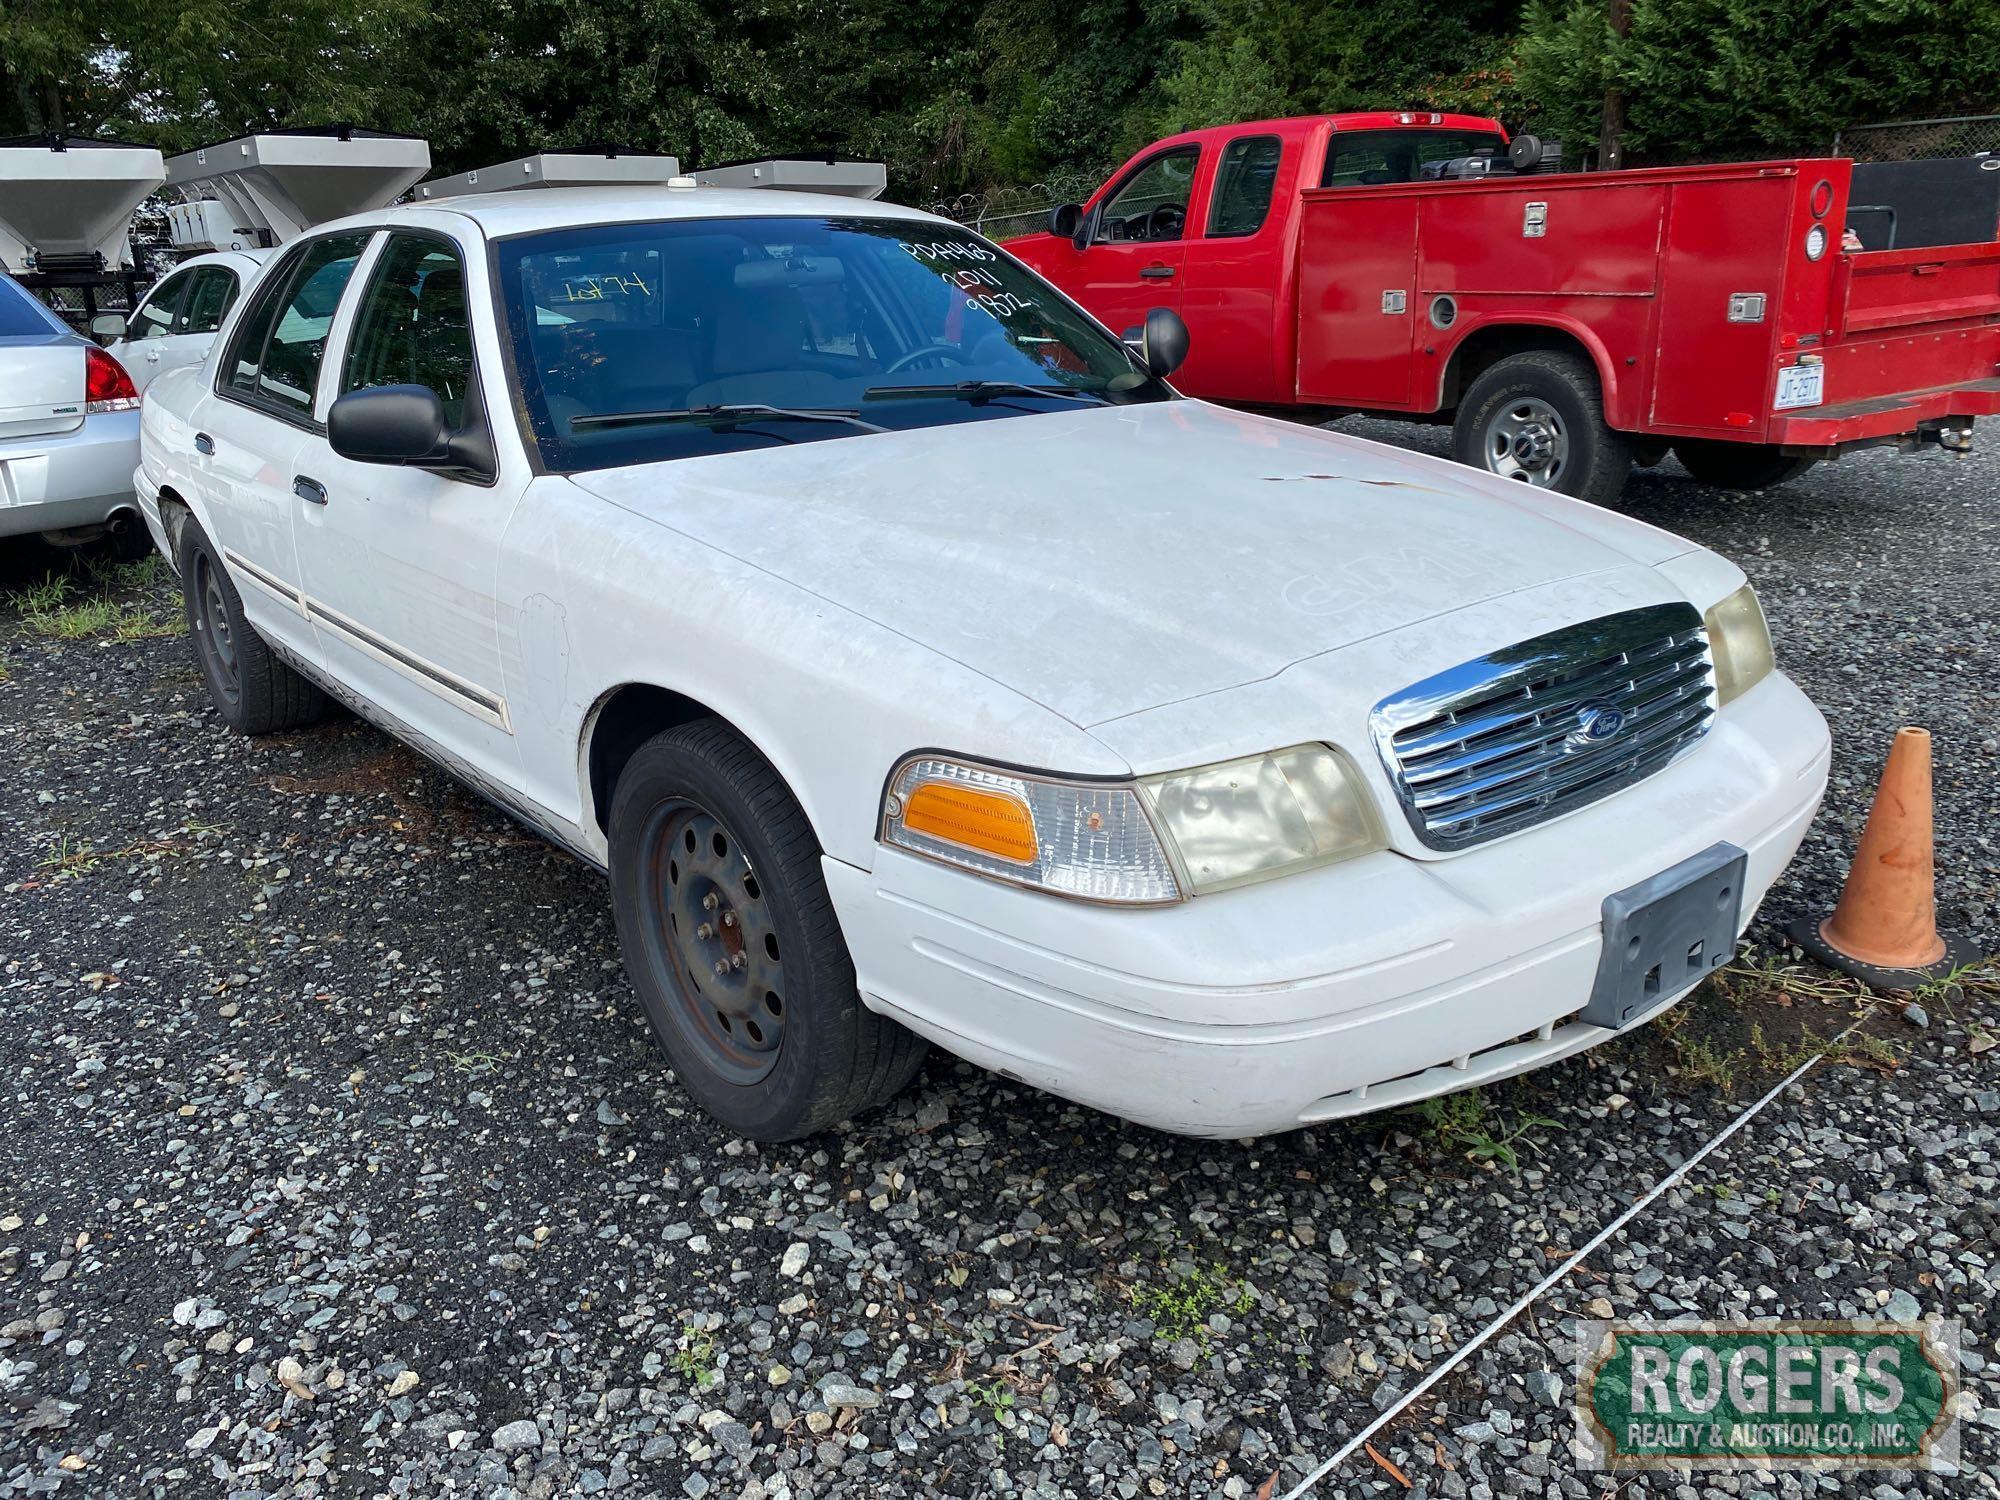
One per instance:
(1567, 324)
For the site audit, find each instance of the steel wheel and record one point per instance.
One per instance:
(1526, 440)
(213, 632)
(710, 928)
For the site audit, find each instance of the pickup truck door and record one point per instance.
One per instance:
(399, 563)
(1133, 262)
(252, 420)
(1234, 271)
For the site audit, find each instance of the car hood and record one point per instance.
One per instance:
(1113, 559)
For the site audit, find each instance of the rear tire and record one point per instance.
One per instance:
(1539, 418)
(731, 941)
(251, 688)
(1739, 466)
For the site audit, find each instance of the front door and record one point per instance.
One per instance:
(1138, 243)
(149, 329)
(399, 563)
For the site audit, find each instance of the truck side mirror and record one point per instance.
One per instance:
(1065, 219)
(1163, 346)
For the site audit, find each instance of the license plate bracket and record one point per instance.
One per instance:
(1663, 934)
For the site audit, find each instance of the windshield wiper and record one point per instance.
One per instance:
(721, 416)
(980, 390)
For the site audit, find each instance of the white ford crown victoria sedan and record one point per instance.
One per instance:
(921, 668)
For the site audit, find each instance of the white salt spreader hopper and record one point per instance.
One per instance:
(558, 168)
(66, 202)
(801, 174)
(280, 183)
(597, 168)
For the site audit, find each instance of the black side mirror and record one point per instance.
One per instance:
(1065, 219)
(404, 424)
(1163, 346)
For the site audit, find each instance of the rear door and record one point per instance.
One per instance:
(1234, 270)
(251, 424)
(211, 293)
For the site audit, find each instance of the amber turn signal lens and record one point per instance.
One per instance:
(991, 822)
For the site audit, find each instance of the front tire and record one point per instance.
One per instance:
(1739, 466)
(1539, 418)
(253, 691)
(730, 938)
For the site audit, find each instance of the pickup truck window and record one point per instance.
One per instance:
(1367, 158)
(898, 323)
(412, 329)
(274, 358)
(1243, 184)
(1152, 203)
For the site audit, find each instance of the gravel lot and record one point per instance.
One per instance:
(335, 1158)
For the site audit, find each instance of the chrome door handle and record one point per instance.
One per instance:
(309, 490)
(1158, 273)
(203, 443)
(152, 356)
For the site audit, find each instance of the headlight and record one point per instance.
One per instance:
(1740, 642)
(1266, 815)
(1156, 840)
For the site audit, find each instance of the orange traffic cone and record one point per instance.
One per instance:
(1884, 930)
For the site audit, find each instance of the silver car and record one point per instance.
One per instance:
(69, 429)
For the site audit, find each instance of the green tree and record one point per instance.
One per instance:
(1707, 78)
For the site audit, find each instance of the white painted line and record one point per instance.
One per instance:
(1507, 1315)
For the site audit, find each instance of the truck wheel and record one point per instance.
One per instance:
(1539, 418)
(253, 691)
(730, 938)
(1739, 466)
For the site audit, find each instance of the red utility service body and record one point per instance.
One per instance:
(1389, 297)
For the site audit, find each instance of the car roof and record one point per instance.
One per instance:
(527, 210)
(236, 260)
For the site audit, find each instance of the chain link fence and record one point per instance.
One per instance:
(76, 303)
(1920, 140)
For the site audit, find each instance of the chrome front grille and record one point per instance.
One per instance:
(1548, 725)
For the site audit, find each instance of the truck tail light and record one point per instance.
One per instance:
(1816, 242)
(106, 386)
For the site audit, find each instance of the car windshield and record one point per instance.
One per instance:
(640, 342)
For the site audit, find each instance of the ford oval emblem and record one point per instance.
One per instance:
(1596, 722)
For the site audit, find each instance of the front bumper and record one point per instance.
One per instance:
(1357, 987)
(78, 478)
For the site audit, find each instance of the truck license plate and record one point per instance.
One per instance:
(1800, 385)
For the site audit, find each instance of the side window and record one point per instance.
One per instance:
(1243, 184)
(208, 298)
(289, 371)
(1152, 204)
(155, 316)
(246, 347)
(412, 327)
